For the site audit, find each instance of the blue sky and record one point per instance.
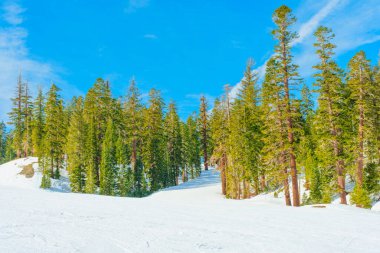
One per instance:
(183, 48)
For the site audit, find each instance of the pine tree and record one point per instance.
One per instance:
(134, 125)
(54, 139)
(97, 106)
(91, 155)
(38, 123)
(17, 118)
(3, 138)
(331, 102)
(221, 131)
(204, 129)
(284, 18)
(185, 159)
(108, 162)
(27, 112)
(10, 153)
(75, 147)
(360, 85)
(124, 174)
(250, 130)
(192, 151)
(154, 146)
(174, 143)
(306, 147)
(274, 129)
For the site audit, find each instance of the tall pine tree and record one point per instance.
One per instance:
(284, 19)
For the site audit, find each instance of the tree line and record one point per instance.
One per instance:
(261, 139)
(108, 146)
(271, 132)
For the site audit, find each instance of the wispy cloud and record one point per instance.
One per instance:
(355, 23)
(15, 57)
(12, 13)
(150, 36)
(134, 5)
(308, 27)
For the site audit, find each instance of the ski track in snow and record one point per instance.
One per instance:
(192, 217)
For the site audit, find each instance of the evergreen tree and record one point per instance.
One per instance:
(134, 125)
(331, 90)
(108, 171)
(192, 151)
(220, 128)
(97, 106)
(27, 112)
(38, 123)
(284, 18)
(3, 138)
(174, 144)
(10, 153)
(75, 147)
(154, 146)
(204, 130)
(274, 129)
(361, 87)
(125, 176)
(306, 148)
(17, 118)
(54, 139)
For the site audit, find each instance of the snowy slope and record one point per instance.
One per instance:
(192, 217)
(10, 175)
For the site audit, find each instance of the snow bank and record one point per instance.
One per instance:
(10, 175)
(192, 217)
(376, 207)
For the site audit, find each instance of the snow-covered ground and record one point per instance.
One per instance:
(192, 217)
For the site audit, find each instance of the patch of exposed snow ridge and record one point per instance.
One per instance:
(191, 217)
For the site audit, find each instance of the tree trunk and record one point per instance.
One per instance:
(134, 155)
(359, 171)
(223, 174)
(262, 182)
(289, 122)
(288, 202)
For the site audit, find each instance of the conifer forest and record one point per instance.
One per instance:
(118, 132)
(265, 137)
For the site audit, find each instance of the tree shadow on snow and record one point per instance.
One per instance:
(207, 178)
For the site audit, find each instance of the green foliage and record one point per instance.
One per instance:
(75, 147)
(38, 123)
(154, 146)
(3, 139)
(55, 132)
(360, 197)
(174, 144)
(108, 169)
(258, 136)
(21, 119)
(204, 129)
(372, 178)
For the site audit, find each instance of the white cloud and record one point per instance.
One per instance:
(15, 57)
(150, 36)
(309, 26)
(12, 13)
(355, 23)
(134, 5)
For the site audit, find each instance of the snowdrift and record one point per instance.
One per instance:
(25, 173)
(192, 217)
